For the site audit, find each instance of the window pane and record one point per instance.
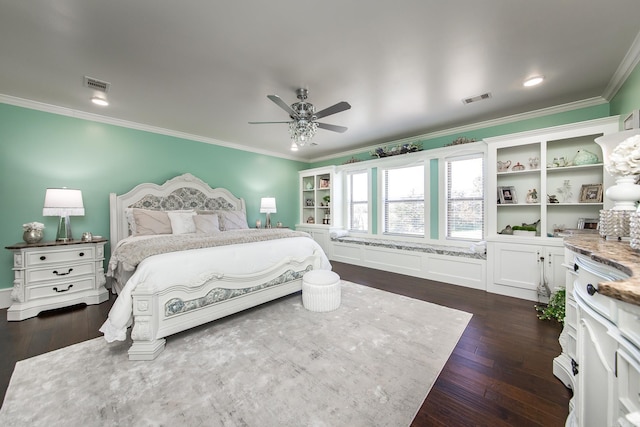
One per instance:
(404, 200)
(358, 194)
(465, 199)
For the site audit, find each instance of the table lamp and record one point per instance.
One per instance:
(63, 202)
(268, 206)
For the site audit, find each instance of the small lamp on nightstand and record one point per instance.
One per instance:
(268, 206)
(63, 202)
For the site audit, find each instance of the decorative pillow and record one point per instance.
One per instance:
(233, 220)
(182, 222)
(148, 222)
(206, 223)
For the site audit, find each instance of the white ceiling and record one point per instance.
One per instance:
(205, 67)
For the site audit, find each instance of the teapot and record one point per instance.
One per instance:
(503, 166)
(585, 157)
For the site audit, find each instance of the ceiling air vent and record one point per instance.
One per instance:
(476, 98)
(96, 84)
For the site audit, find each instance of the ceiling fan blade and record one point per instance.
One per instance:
(264, 123)
(334, 128)
(283, 105)
(340, 106)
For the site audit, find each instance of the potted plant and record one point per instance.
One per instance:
(555, 309)
(524, 230)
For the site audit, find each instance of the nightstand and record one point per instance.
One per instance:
(50, 275)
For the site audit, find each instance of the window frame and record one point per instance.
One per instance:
(383, 202)
(447, 199)
(349, 204)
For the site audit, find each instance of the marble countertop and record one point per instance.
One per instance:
(618, 255)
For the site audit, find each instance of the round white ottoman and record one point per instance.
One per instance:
(321, 290)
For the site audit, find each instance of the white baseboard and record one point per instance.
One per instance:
(5, 297)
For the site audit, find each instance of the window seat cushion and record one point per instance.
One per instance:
(413, 246)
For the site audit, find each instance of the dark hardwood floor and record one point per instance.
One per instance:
(500, 373)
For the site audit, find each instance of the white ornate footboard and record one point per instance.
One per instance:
(160, 314)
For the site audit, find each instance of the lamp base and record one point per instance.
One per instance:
(268, 224)
(64, 229)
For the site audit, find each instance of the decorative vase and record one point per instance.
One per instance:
(624, 194)
(32, 236)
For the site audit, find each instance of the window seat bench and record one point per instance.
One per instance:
(461, 266)
(413, 246)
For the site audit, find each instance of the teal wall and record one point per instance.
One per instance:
(40, 150)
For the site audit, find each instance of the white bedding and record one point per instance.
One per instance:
(195, 266)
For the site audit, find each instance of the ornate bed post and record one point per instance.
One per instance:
(145, 344)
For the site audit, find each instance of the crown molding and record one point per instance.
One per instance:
(54, 109)
(69, 112)
(475, 126)
(628, 64)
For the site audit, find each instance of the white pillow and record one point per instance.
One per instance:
(182, 222)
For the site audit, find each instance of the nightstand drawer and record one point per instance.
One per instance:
(61, 288)
(71, 254)
(64, 272)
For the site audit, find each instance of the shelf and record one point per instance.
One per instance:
(575, 204)
(570, 168)
(522, 172)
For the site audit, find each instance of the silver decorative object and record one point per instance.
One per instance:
(615, 224)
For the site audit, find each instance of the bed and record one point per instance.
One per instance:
(205, 265)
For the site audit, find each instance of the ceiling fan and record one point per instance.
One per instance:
(303, 124)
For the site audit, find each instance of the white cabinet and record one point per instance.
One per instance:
(320, 201)
(542, 162)
(607, 356)
(54, 274)
(539, 162)
(319, 194)
(525, 269)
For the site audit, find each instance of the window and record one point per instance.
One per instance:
(465, 198)
(358, 201)
(403, 200)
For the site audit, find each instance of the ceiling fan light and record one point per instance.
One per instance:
(294, 146)
(533, 81)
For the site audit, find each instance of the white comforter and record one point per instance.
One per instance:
(188, 266)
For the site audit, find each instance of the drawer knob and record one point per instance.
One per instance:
(42, 258)
(81, 254)
(591, 290)
(574, 367)
(575, 267)
(62, 290)
(62, 274)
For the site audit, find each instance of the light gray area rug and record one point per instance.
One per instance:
(372, 362)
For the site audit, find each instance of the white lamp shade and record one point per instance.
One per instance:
(63, 201)
(268, 205)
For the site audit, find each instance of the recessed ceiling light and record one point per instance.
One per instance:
(533, 81)
(99, 100)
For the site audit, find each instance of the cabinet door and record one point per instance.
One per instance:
(555, 273)
(597, 396)
(517, 265)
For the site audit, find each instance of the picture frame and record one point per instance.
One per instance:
(588, 223)
(507, 195)
(324, 183)
(591, 193)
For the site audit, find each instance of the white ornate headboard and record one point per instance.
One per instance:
(182, 192)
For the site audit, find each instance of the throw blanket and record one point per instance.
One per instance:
(128, 256)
